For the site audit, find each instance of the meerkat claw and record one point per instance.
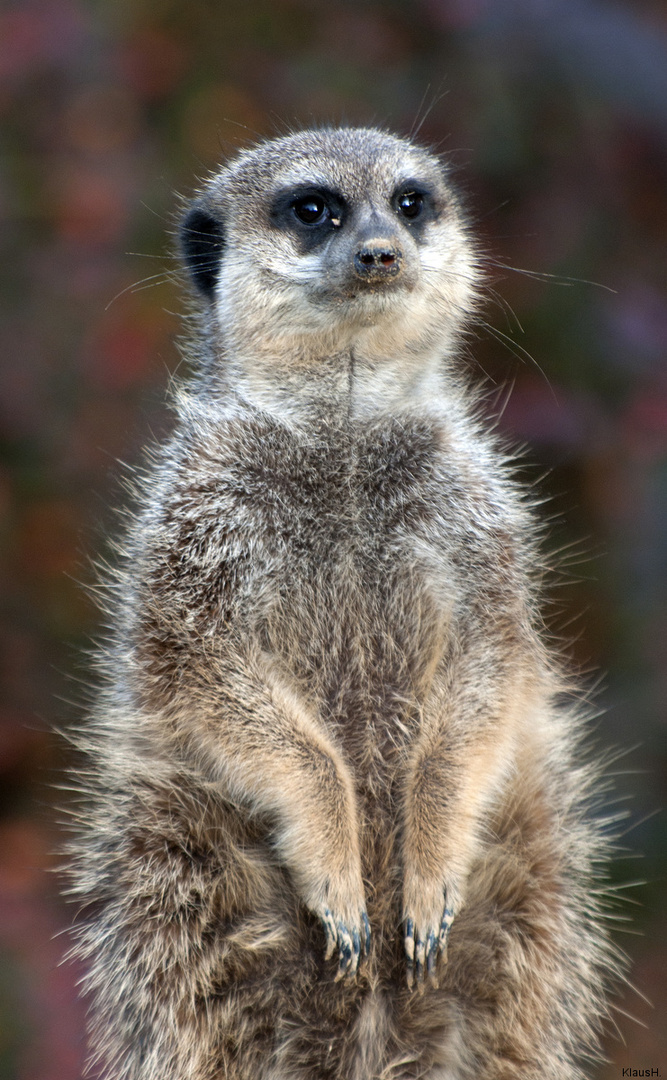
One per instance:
(409, 943)
(431, 958)
(366, 941)
(330, 933)
(351, 944)
(420, 957)
(422, 952)
(445, 927)
(356, 951)
(347, 961)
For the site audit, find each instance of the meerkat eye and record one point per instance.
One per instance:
(410, 204)
(311, 209)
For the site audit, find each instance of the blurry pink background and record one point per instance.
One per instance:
(554, 112)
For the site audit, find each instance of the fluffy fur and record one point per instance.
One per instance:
(338, 825)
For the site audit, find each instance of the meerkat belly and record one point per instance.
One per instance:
(365, 664)
(355, 615)
(358, 636)
(360, 632)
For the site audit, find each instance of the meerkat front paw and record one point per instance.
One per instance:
(428, 916)
(351, 937)
(340, 903)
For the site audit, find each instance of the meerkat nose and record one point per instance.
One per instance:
(377, 261)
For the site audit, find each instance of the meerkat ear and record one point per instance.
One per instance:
(201, 240)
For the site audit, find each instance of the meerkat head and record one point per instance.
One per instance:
(332, 240)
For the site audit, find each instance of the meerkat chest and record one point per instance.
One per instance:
(342, 506)
(350, 545)
(339, 579)
(336, 555)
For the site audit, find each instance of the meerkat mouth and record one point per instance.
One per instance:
(372, 293)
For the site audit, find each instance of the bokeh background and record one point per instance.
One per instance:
(554, 115)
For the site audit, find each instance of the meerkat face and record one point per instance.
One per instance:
(328, 234)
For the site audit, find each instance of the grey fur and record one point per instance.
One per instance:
(326, 695)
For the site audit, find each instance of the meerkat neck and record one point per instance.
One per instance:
(302, 388)
(360, 375)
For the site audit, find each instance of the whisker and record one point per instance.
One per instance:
(418, 123)
(144, 283)
(518, 351)
(557, 279)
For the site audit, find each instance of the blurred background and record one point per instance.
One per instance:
(554, 116)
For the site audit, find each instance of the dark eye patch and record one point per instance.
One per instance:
(410, 204)
(416, 204)
(311, 209)
(310, 213)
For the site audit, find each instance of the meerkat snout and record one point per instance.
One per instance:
(377, 259)
(380, 258)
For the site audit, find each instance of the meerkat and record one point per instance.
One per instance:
(338, 825)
